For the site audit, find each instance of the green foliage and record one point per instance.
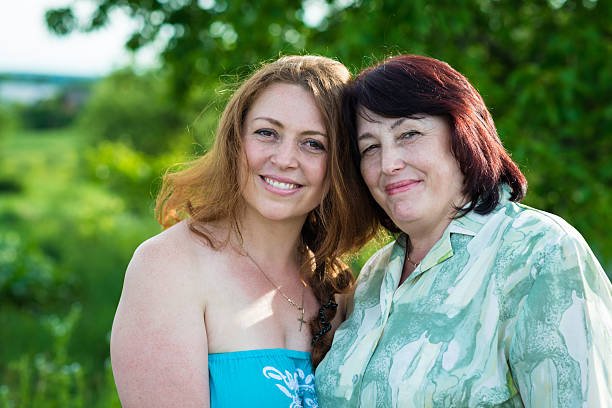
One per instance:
(136, 130)
(550, 102)
(65, 240)
(8, 125)
(134, 110)
(79, 201)
(542, 67)
(8, 121)
(63, 20)
(206, 38)
(130, 174)
(123, 170)
(28, 277)
(358, 259)
(50, 378)
(56, 112)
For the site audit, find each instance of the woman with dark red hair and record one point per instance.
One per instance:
(480, 301)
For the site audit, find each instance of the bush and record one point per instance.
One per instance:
(134, 110)
(8, 121)
(51, 378)
(29, 278)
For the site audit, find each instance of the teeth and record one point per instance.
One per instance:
(278, 184)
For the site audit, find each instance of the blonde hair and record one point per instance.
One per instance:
(206, 190)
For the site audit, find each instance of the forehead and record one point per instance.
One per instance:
(286, 102)
(368, 121)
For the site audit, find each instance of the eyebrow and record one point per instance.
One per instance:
(273, 121)
(364, 136)
(397, 123)
(280, 125)
(393, 126)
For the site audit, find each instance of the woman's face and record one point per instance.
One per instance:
(408, 166)
(285, 145)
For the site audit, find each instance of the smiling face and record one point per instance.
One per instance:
(408, 166)
(285, 147)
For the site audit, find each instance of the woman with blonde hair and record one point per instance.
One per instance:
(213, 309)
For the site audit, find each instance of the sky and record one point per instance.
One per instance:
(26, 45)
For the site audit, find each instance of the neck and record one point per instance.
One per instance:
(423, 237)
(417, 248)
(274, 244)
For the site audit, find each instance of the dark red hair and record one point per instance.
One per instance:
(408, 85)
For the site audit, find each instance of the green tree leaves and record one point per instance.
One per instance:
(544, 69)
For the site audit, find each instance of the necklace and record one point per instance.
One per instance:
(410, 261)
(300, 308)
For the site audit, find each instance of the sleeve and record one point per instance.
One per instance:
(562, 342)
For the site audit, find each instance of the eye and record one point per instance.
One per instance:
(266, 133)
(369, 150)
(409, 134)
(313, 144)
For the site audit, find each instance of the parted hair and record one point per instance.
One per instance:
(409, 85)
(209, 188)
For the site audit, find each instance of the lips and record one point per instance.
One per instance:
(401, 186)
(281, 183)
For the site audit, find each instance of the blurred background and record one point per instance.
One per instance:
(99, 97)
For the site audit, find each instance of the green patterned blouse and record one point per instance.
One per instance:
(509, 309)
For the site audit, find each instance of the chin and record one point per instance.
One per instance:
(277, 214)
(405, 215)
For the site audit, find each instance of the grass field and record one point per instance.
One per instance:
(64, 244)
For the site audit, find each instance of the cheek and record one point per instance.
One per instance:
(246, 155)
(243, 171)
(318, 170)
(451, 168)
(256, 152)
(449, 176)
(369, 172)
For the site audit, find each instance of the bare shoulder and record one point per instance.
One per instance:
(172, 248)
(175, 255)
(158, 340)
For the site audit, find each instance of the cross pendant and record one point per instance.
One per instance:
(301, 318)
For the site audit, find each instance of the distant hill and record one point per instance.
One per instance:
(28, 88)
(47, 78)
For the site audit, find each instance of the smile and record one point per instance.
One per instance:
(401, 186)
(280, 185)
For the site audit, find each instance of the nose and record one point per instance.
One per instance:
(285, 154)
(391, 160)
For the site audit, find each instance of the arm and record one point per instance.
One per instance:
(159, 348)
(561, 344)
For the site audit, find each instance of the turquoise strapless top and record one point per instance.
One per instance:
(261, 378)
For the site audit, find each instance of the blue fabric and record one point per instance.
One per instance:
(261, 378)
